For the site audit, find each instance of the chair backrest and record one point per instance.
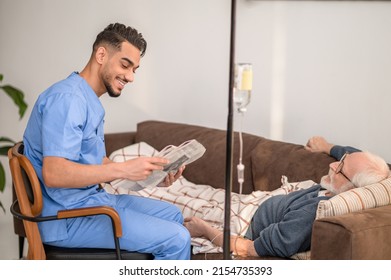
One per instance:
(29, 197)
(30, 201)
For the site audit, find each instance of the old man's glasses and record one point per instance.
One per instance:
(338, 170)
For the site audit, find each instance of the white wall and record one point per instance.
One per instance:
(319, 67)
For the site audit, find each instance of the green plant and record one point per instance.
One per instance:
(18, 97)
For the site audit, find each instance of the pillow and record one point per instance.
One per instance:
(133, 151)
(141, 149)
(372, 196)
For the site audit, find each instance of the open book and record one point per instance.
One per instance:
(184, 154)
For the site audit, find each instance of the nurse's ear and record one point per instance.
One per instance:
(101, 55)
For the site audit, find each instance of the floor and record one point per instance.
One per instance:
(8, 240)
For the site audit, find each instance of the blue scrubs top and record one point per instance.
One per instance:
(66, 121)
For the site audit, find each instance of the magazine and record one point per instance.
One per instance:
(177, 156)
(184, 154)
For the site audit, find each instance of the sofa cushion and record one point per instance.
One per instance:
(211, 168)
(272, 159)
(357, 199)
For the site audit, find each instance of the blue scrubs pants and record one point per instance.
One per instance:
(148, 226)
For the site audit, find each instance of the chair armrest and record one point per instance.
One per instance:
(74, 213)
(361, 235)
(93, 211)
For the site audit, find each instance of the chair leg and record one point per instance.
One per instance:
(21, 246)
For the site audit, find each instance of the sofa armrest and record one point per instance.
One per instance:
(361, 235)
(115, 141)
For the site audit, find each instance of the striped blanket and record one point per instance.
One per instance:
(202, 201)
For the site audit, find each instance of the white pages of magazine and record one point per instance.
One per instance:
(184, 154)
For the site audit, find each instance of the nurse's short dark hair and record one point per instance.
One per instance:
(116, 33)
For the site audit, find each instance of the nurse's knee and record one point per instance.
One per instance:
(183, 241)
(183, 238)
(176, 214)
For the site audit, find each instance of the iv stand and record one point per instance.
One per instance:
(230, 133)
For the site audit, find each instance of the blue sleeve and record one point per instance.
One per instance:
(338, 151)
(63, 119)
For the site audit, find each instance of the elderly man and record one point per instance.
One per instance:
(282, 225)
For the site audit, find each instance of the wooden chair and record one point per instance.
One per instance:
(28, 208)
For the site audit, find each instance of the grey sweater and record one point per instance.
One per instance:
(282, 225)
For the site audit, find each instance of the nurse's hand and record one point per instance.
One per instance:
(139, 169)
(171, 178)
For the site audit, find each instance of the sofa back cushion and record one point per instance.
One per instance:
(270, 160)
(115, 141)
(211, 168)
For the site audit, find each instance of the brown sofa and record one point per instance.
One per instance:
(362, 235)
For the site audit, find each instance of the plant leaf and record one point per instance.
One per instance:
(6, 139)
(1, 77)
(4, 150)
(2, 178)
(18, 97)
